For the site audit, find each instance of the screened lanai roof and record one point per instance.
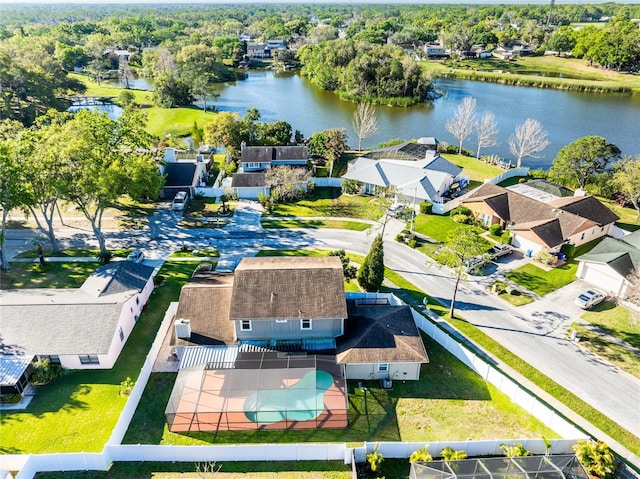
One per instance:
(526, 467)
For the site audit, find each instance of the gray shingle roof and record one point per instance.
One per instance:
(288, 288)
(179, 174)
(266, 154)
(380, 334)
(248, 180)
(118, 277)
(620, 254)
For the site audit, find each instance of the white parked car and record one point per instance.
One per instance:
(179, 201)
(395, 209)
(499, 250)
(475, 264)
(137, 256)
(589, 298)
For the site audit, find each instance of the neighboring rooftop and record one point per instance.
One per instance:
(621, 254)
(267, 154)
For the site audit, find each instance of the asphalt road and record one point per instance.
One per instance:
(536, 332)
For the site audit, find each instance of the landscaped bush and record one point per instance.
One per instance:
(495, 229)
(412, 243)
(460, 210)
(462, 219)
(569, 250)
(544, 257)
(426, 208)
(505, 237)
(351, 187)
(44, 371)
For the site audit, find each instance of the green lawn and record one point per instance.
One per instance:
(176, 122)
(618, 322)
(208, 208)
(73, 253)
(476, 169)
(78, 412)
(439, 227)
(425, 410)
(200, 253)
(628, 216)
(331, 202)
(228, 470)
(314, 224)
(542, 282)
(53, 275)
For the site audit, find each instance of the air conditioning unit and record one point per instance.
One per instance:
(183, 328)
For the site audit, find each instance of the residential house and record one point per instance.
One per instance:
(610, 263)
(258, 50)
(183, 172)
(416, 172)
(81, 328)
(250, 180)
(272, 344)
(536, 225)
(436, 50)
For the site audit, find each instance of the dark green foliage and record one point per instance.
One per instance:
(460, 210)
(44, 371)
(348, 269)
(495, 229)
(505, 237)
(170, 92)
(351, 187)
(461, 218)
(371, 273)
(105, 256)
(569, 250)
(426, 208)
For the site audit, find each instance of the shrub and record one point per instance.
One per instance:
(126, 387)
(569, 250)
(412, 243)
(544, 257)
(515, 450)
(449, 454)
(596, 457)
(44, 371)
(375, 459)
(462, 219)
(351, 187)
(505, 237)
(426, 208)
(460, 210)
(495, 229)
(105, 257)
(420, 455)
(158, 279)
(348, 269)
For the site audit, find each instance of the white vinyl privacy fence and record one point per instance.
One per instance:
(29, 465)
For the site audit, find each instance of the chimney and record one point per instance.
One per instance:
(243, 145)
(183, 329)
(580, 192)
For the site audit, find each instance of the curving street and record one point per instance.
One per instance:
(535, 332)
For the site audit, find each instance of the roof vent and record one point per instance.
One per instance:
(183, 329)
(273, 296)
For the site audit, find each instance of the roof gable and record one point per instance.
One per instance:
(118, 277)
(179, 174)
(288, 288)
(586, 207)
(267, 154)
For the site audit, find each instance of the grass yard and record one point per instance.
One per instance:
(73, 253)
(198, 253)
(476, 169)
(78, 412)
(176, 122)
(425, 410)
(628, 216)
(520, 299)
(439, 227)
(331, 202)
(542, 282)
(618, 322)
(228, 470)
(208, 208)
(53, 275)
(315, 224)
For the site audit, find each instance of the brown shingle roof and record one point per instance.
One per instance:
(205, 301)
(552, 222)
(380, 334)
(587, 207)
(288, 288)
(265, 154)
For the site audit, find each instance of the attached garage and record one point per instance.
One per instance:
(602, 276)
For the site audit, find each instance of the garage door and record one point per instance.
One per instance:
(598, 276)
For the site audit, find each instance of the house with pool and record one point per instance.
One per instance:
(273, 344)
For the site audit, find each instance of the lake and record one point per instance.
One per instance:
(566, 116)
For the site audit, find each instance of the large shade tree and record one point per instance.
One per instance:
(462, 244)
(577, 163)
(105, 159)
(626, 179)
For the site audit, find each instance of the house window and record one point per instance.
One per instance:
(137, 300)
(305, 324)
(55, 359)
(245, 325)
(486, 219)
(89, 359)
(254, 165)
(383, 367)
(121, 334)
